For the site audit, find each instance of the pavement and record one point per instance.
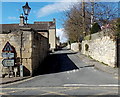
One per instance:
(82, 57)
(98, 65)
(7, 80)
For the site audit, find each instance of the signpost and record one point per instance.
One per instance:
(8, 62)
(7, 55)
(8, 48)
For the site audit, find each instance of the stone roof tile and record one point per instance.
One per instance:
(16, 27)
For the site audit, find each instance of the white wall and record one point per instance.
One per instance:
(52, 39)
(101, 48)
(75, 47)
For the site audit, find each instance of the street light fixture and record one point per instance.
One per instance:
(26, 10)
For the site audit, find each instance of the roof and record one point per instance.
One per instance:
(16, 27)
(51, 24)
(39, 26)
(9, 27)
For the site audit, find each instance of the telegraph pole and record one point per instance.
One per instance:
(83, 16)
(92, 13)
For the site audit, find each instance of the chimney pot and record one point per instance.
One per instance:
(21, 20)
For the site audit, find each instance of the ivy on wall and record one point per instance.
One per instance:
(118, 28)
(95, 28)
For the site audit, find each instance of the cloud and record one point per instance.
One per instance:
(62, 35)
(12, 18)
(55, 7)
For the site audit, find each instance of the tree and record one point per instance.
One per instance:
(99, 12)
(74, 23)
(105, 12)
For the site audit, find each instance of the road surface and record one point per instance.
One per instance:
(64, 73)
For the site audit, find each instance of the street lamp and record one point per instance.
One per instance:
(26, 10)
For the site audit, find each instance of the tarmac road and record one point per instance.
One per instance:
(64, 73)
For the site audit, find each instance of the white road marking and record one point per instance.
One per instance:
(86, 85)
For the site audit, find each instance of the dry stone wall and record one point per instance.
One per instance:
(101, 47)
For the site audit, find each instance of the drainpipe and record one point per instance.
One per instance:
(21, 65)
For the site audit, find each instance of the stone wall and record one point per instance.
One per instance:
(101, 47)
(34, 48)
(75, 47)
(52, 39)
(40, 48)
(15, 41)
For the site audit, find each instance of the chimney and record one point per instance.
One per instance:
(21, 20)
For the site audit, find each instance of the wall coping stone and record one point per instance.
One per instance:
(26, 29)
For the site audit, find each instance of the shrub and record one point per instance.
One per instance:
(87, 37)
(95, 28)
(118, 28)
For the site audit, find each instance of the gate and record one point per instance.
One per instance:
(118, 52)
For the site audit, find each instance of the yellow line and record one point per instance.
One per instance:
(10, 92)
(18, 82)
(39, 88)
(49, 92)
(13, 91)
(3, 94)
(19, 88)
(56, 88)
(101, 94)
(105, 93)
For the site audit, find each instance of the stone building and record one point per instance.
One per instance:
(52, 32)
(46, 28)
(31, 42)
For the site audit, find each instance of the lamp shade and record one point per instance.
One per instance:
(26, 9)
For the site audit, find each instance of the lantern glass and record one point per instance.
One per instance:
(26, 9)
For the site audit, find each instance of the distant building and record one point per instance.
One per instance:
(58, 42)
(51, 32)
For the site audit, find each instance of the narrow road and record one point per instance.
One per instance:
(64, 73)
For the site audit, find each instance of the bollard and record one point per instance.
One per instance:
(15, 71)
(21, 70)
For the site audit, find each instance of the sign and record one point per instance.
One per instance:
(8, 62)
(8, 48)
(7, 55)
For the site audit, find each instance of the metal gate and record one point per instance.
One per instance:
(118, 52)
